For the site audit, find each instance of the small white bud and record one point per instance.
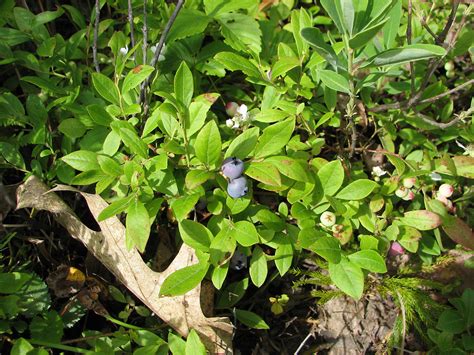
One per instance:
(446, 190)
(435, 176)
(409, 182)
(327, 219)
(402, 192)
(123, 50)
(229, 123)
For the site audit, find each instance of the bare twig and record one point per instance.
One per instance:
(130, 22)
(452, 17)
(310, 334)
(459, 117)
(159, 48)
(96, 36)
(145, 33)
(449, 92)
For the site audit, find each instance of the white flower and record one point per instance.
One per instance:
(229, 123)
(378, 171)
(123, 50)
(435, 176)
(236, 125)
(243, 113)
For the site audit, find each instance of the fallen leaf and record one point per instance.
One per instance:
(182, 313)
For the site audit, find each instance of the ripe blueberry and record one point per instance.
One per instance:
(237, 187)
(232, 168)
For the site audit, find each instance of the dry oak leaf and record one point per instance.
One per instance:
(182, 313)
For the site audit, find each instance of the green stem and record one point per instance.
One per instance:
(58, 346)
(123, 324)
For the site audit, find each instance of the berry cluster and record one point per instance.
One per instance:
(405, 192)
(445, 191)
(232, 169)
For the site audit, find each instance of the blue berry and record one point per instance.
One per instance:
(237, 187)
(232, 168)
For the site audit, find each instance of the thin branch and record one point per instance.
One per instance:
(412, 67)
(452, 17)
(460, 117)
(145, 33)
(159, 48)
(404, 323)
(449, 92)
(96, 36)
(130, 22)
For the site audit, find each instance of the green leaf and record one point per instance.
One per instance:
(270, 115)
(315, 38)
(21, 347)
(195, 178)
(72, 128)
(251, 319)
(232, 61)
(459, 231)
(106, 88)
(369, 260)
(195, 235)
(274, 138)
(300, 19)
(357, 190)
(82, 160)
(290, 167)
(333, 9)
(219, 274)
(422, 220)
(258, 267)
(48, 327)
(136, 76)
(232, 293)
(409, 53)
(176, 344)
(451, 321)
(264, 172)
(208, 144)
(194, 345)
(109, 165)
(184, 280)
(184, 84)
(183, 205)
(11, 154)
(409, 238)
(188, 23)
(137, 225)
(245, 233)
(223, 245)
(13, 37)
(331, 176)
(328, 247)
(99, 115)
(348, 277)
(334, 81)
(346, 9)
(390, 29)
(130, 138)
(283, 253)
(13, 281)
(243, 144)
(284, 65)
(363, 37)
(217, 7)
(241, 32)
(115, 208)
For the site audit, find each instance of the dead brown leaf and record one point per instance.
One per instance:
(183, 313)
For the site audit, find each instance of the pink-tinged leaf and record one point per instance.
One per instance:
(422, 220)
(459, 231)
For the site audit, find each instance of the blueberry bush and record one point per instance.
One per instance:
(258, 134)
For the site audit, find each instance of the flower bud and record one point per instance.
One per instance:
(443, 199)
(409, 182)
(337, 228)
(446, 190)
(229, 123)
(396, 249)
(328, 219)
(231, 108)
(410, 196)
(402, 192)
